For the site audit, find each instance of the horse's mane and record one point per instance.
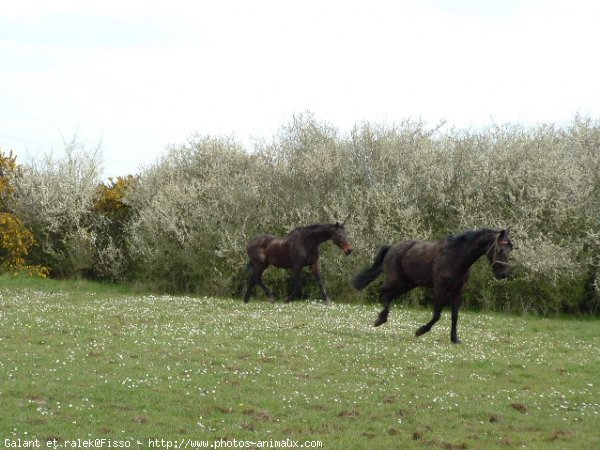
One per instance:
(312, 227)
(469, 236)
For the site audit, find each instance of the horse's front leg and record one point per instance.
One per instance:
(297, 285)
(453, 332)
(437, 313)
(316, 271)
(440, 297)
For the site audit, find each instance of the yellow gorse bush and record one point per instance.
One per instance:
(16, 240)
(111, 196)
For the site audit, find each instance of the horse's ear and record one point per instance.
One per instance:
(347, 217)
(503, 236)
(338, 225)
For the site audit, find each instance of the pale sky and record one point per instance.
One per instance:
(137, 76)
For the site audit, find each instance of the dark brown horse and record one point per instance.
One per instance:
(300, 248)
(442, 265)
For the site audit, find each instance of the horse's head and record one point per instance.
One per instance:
(498, 254)
(339, 238)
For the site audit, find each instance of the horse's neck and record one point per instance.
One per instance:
(475, 251)
(318, 235)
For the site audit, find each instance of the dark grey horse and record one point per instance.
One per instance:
(441, 265)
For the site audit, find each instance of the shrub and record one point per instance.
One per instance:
(197, 207)
(55, 197)
(112, 215)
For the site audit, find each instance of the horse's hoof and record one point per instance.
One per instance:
(379, 322)
(456, 341)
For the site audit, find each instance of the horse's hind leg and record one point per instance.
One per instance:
(256, 278)
(262, 285)
(251, 283)
(387, 297)
(249, 289)
(390, 290)
(296, 285)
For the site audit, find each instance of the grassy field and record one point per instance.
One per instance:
(83, 361)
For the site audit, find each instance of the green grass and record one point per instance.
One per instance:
(82, 361)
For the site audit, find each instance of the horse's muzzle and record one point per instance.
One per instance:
(348, 250)
(502, 275)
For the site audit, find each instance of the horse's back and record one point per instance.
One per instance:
(270, 249)
(257, 245)
(260, 240)
(414, 260)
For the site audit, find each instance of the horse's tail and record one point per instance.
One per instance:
(368, 275)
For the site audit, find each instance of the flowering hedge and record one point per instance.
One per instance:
(182, 224)
(199, 205)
